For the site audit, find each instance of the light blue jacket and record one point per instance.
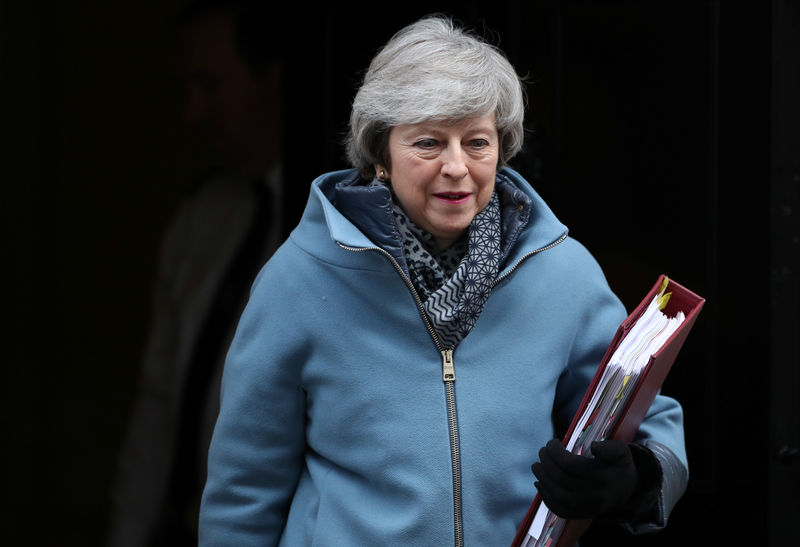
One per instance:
(339, 422)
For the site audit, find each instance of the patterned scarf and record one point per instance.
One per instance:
(454, 284)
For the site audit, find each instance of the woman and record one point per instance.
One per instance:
(426, 329)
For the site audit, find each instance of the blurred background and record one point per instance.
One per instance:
(665, 134)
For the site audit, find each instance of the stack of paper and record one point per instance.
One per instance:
(618, 381)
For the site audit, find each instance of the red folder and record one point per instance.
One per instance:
(650, 381)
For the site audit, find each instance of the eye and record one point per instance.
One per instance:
(425, 143)
(479, 143)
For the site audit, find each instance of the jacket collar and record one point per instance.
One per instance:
(543, 228)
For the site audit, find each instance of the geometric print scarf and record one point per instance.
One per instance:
(455, 284)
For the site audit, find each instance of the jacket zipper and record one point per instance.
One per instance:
(448, 377)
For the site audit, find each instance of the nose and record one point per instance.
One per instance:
(454, 163)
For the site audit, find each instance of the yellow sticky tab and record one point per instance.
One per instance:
(624, 385)
(663, 298)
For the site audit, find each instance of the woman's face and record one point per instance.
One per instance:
(443, 173)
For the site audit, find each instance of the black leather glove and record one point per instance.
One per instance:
(620, 481)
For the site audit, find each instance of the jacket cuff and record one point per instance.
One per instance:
(672, 484)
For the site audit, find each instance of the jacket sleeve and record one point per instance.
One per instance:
(662, 428)
(256, 453)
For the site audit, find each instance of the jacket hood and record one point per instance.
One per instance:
(338, 191)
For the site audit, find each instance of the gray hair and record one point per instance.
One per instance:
(433, 70)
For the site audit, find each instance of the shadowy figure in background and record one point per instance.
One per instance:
(228, 58)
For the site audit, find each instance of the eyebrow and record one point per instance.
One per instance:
(424, 127)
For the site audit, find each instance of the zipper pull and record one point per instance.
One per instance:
(448, 368)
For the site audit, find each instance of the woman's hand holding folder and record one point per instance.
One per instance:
(620, 482)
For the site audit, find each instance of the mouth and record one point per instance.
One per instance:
(452, 197)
